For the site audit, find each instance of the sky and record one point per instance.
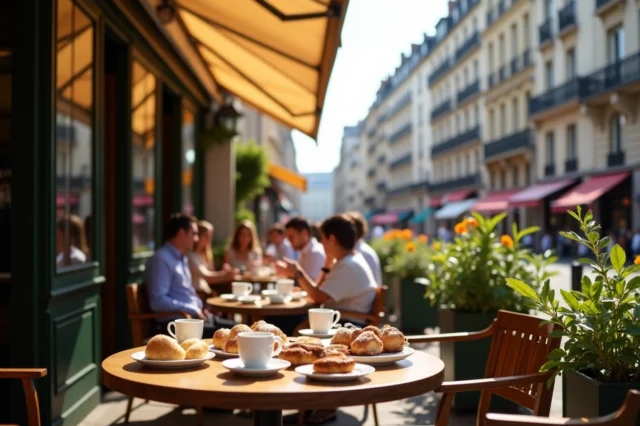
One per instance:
(374, 34)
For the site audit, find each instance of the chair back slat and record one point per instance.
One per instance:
(138, 303)
(378, 305)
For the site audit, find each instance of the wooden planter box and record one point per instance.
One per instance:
(583, 396)
(467, 360)
(416, 312)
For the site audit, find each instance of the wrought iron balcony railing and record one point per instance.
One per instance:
(613, 75)
(456, 142)
(574, 89)
(440, 72)
(469, 91)
(545, 31)
(508, 144)
(567, 16)
(401, 161)
(467, 46)
(471, 180)
(441, 109)
(398, 134)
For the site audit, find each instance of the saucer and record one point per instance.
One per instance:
(170, 364)
(297, 295)
(360, 370)
(309, 332)
(228, 297)
(248, 300)
(236, 365)
(278, 300)
(268, 293)
(221, 353)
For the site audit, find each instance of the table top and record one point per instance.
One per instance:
(255, 279)
(212, 384)
(263, 307)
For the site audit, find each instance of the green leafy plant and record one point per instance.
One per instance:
(392, 244)
(602, 321)
(252, 176)
(469, 273)
(217, 135)
(412, 260)
(243, 213)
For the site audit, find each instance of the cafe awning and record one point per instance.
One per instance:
(531, 196)
(275, 55)
(495, 202)
(587, 192)
(457, 196)
(455, 209)
(288, 176)
(423, 215)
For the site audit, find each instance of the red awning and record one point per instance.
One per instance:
(142, 200)
(452, 197)
(435, 201)
(63, 198)
(531, 196)
(385, 219)
(587, 192)
(495, 202)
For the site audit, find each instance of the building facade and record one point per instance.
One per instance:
(316, 203)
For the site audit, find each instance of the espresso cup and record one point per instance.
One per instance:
(323, 320)
(186, 329)
(257, 348)
(284, 287)
(241, 288)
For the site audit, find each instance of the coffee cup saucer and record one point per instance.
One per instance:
(237, 366)
(229, 297)
(249, 299)
(309, 332)
(277, 299)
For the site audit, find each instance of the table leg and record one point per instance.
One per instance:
(267, 418)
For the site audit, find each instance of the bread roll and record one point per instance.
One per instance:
(342, 336)
(231, 345)
(220, 337)
(269, 328)
(301, 354)
(392, 340)
(163, 348)
(367, 343)
(237, 329)
(308, 340)
(334, 364)
(187, 343)
(197, 351)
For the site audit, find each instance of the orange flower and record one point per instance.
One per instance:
(506, 241)
(423, 239)
(406, 234)
(472, 222)
(461, 228)
(637, 260)
(411, 247)
(436, 245)
(387, 237)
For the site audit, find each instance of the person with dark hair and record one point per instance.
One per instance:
(315, 230)
(279, 247)
(312, 255)
(370, 255)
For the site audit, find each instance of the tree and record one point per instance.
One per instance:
(252, 176)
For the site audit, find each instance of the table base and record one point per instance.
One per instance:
(267, 418)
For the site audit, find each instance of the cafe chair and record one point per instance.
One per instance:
(143, 327)
(627, 415)
(520, 345)
(26, 376)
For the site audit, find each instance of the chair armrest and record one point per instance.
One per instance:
(493, 383)
(22, 373)
(521, 420)
(158, 315)
(452, 337)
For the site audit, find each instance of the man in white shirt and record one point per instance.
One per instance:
(311, 256)
(370, 255)
(279, 246)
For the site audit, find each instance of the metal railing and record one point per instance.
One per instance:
(449, 185)
(469, 91)
(567, 16)
(509, 143)
(440, 72)
(619, 73)
(467, 46)
(401, 161)
(456, 142)
(615, 159)
(402, 131)
(545, 31)
(576, 88)
(441, 109)
(549, 170)
(571, 165)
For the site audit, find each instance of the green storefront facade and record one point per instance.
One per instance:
(100, 119)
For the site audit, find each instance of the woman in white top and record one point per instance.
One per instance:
(71, 245)
(203, 273)
(244, 251)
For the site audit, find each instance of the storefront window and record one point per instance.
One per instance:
(143, 121)
(74, 135)
(188, 156)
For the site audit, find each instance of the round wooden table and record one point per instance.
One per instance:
(211, 384)
(261, 309)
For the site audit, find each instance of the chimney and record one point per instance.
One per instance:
(403, 59)
(452, 5)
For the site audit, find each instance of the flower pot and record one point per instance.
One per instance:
(467, 360)
(583, 396)
(416, 312)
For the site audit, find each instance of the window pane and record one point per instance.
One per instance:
(188, 156)
(74, 135)
(143, 122)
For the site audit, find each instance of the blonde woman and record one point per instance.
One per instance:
(203, 274)
(244, 250)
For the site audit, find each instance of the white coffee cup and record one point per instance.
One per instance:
(241, 288)
(284, 287)
(322, 320)
(257, 348)
(186, 329)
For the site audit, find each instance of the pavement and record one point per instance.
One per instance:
(419, 410)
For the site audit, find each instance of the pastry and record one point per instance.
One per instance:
(337, 349)
(367, 343)
(163, 348)
(237, 329)
(301, 354)
(342, 336)
(220, 337)
(392, 340)
(334, 364)
(187, 343)
(308, 340)
(269, 328)
(231, 345)
(197, 350)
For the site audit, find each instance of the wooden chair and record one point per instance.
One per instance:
(143, 323)
(627, 415)
(519, 347)
(26, 375)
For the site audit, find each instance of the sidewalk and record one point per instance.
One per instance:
(419, 410)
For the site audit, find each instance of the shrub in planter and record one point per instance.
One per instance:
(467, 279)
(600, 359)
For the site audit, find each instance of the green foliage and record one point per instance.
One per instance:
(217, 135)
(242, 213)
(469, 273)
(602, 321)
(252, 176)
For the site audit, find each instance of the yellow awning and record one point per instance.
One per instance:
(275, 55)
(287, 176)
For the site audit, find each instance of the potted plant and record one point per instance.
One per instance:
(467, 279)
(412, 262)
(600, 359)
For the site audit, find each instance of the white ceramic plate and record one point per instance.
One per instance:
(228, 297)
(236, 365)
(267, 293)
(386, 358)
(360, 370)
(170, 365)
(278, 300)
(297, 295)
(221, 353)
(249, 300)
(309, 332)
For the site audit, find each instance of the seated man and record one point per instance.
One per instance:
(167, 276)
(279, 247)
(300, 235)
